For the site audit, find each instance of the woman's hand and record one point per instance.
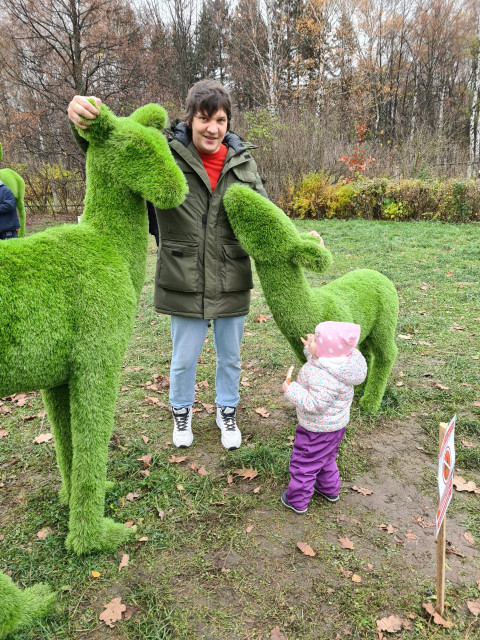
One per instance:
(317, 235)
(79, 108)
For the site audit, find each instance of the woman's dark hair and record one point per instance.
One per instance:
(207, 97)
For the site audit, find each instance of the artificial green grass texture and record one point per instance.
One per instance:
(363, 296)
(25, 606)
(16, 185)
(68, 298)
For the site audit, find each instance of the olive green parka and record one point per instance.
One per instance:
(202, 271)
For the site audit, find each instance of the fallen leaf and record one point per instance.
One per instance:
(424, 343)
(468, 445)
(356, 578)
(113, 612)
(95, 574)
(455, 552)
(461, 484)
(306, 549)
(177, 459)
(403, 336)
(410, 535)
(346, 543)
(261, 318)
(209, 408)
(474, 606)
(476, 403)
(247, 474)
(129, 524)
(390, 624)
(3, 433)
(161, 514)
(423, 523)
(230, 479)
(276, 634)
(399, 383)
(256, 490)
(147, 460)
(43, 533)
(437, 618)
(364, 492)
(345, 572)
(43, 437)
(129, 611)
(124, 561)
(145, 439)
(249, 528)
(203, 472)
(203, 383)
(468, 537)
(262, 412)
(441, 386)
(131, 496)
(180, 487)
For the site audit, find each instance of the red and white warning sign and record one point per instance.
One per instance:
(446, 464)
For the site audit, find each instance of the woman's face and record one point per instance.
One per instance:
(208, 132)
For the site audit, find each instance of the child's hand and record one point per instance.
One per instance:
(308, 340)
(285, 385)
(315, 234)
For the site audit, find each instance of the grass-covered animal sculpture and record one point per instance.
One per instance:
(17, 186)
(363, 296)
(19, 609)
(68, 299)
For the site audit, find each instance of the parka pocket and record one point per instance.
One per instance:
(177, 267)
(245, 175)
(238, 270)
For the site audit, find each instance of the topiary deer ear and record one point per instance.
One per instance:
(100, 128)
(151, 115)
(308, 253)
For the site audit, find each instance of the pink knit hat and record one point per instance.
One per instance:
(336, 339)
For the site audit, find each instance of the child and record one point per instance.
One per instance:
(322, 395)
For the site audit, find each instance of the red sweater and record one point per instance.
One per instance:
(213, 163)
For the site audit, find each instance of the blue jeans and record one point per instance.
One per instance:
(188, 336)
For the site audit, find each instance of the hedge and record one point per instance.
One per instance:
(316, 196)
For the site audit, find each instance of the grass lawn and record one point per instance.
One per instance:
(215, 555)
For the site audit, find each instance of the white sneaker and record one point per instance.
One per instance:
(182, 427)
(231, 435)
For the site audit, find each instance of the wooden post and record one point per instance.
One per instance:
(441, 544)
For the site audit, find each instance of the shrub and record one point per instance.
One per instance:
(51, 189)
(310, 199)
(379, 198)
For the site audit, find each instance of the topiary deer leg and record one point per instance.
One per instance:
(57, 404)
(379, 368)
(21, 210)
(19, 608)
(93, 395)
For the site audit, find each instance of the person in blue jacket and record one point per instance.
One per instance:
(9, 222)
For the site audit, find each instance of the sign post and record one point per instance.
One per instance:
(446, 463)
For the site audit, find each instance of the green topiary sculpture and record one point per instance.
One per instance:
(17, 186)
(363, 296)
(19, 609)
(68, 299)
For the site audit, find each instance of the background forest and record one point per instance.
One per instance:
(311, 80)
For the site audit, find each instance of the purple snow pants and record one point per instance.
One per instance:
(313, 462)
